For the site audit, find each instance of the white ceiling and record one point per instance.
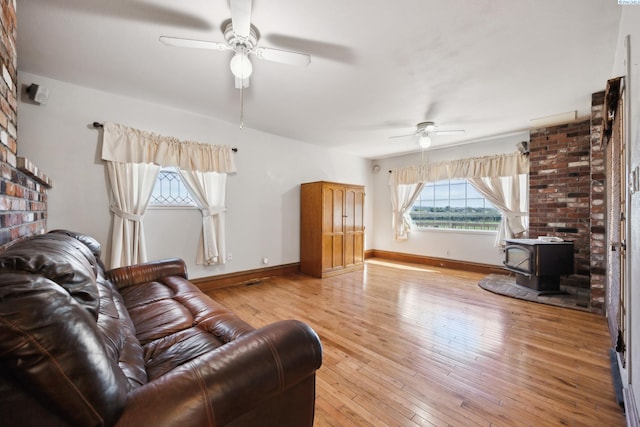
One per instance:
(378, 67)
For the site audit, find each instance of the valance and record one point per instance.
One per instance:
(474, 167)
(127, 145)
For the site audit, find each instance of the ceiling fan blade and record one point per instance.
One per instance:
(197, 44)
(403, 136)
(282, 56)
(241, 17)
(448, 132)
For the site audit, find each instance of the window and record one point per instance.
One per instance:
(453, 204)
(169, 190)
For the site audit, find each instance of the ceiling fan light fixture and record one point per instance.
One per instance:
(424, 141)
(241, 65)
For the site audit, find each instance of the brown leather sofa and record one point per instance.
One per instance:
(138, 346)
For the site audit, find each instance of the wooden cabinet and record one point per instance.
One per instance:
(331, 228)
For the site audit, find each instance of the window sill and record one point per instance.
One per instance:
(171, 207)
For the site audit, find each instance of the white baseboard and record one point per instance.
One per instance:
(630, 408)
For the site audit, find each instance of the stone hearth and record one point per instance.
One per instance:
(569, 297)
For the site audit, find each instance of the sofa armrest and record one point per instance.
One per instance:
(136, 274)
(226, 383)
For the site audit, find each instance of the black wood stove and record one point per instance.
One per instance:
(539, 263)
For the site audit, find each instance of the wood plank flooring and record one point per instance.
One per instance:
(409, 345)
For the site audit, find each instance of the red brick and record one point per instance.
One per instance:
(20, 216)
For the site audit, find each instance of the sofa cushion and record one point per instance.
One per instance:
(119, 334)
(90, 242)
(61, 259)
(176, 323)
(114, 323)
(51, 344)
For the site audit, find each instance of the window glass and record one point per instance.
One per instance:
(441, 192)
(169, 190)
(453, 204)
(472, 193)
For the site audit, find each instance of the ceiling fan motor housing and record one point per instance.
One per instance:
(425, 127)
(235, 40)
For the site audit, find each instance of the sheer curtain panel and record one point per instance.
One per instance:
(134, 158)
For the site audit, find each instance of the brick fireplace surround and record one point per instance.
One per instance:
(23, 189)
(566, 195)
(566, 185)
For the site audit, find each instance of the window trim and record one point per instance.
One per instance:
(172, 207)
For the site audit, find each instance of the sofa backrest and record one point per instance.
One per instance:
(67, 346)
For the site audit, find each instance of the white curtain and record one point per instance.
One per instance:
(133, 159)
(474, 167)
(488, 166)
(208, 190)
(127, 145)
(502, 179)
(402, 198)
(131, 185)
(418, 174)
(509, 195)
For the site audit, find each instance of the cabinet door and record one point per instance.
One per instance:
(353, 226)
(332, 227)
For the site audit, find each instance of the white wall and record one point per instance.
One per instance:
(461, 246)
(262, 197)
(629, 66)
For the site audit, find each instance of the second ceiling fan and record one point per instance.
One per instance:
(242, 38)
(424, 131)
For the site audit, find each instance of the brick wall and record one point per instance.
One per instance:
(559, 203)
(598, 205)
(23, 198)
(566, 195)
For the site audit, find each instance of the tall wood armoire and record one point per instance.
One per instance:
(331, 228)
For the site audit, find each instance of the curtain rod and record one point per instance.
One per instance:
(100, 126)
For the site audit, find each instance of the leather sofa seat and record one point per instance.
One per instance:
(138, 346)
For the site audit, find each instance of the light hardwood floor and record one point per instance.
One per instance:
(409, 345)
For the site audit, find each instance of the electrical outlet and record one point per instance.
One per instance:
(229, 256)
(634, 180)
(265, 260)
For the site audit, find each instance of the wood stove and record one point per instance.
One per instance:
(537, 263)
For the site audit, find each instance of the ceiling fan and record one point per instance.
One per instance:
(424, 131)
(242, 38)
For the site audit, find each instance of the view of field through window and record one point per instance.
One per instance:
(453, 204)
